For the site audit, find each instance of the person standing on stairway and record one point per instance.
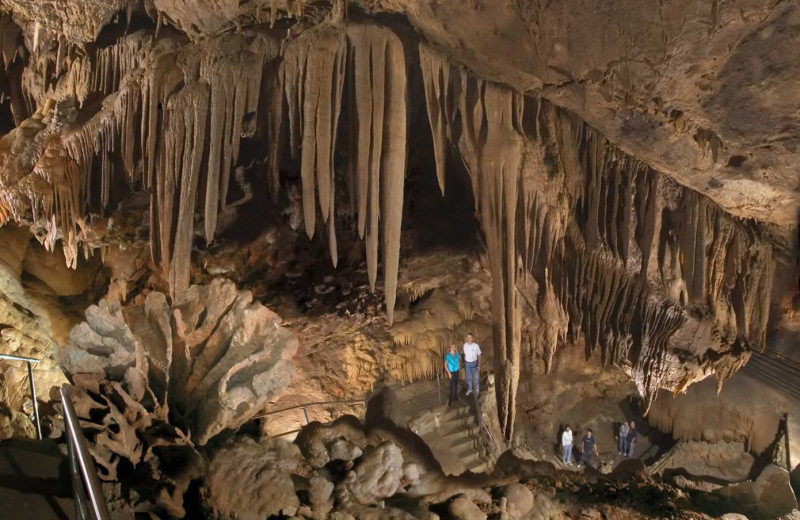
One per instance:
(622, 439)
(472, 363)
(589, 449)
(566, 446)
(452, 363)
(631, 444)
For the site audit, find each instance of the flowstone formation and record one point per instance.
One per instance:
(582, 237)
(156, 381)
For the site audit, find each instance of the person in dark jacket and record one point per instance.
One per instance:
(452, 362)
(589, 448)
(622, 439)
(631, 439)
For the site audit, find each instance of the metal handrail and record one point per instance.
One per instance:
(30, 361)
(482, 427)
(83, 471)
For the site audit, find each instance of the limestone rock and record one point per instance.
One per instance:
(340, 449)
(377, 475)
(218, 357)
(463, 509)
(156, 379)
(251, 480)
(770, 495)
(519, 499)
(316, 440)
(320, 493)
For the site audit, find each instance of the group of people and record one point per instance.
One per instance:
(626, 444)
(472, 367)
(626, 440)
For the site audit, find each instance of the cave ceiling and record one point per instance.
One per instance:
(706, 92)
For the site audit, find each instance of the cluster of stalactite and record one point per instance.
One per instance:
(179, 111)
(585, 238)
(616, 251)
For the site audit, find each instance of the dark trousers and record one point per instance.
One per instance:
(453, 386)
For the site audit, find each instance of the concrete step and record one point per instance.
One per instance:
(460, 430)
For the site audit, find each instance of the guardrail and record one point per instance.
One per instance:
(488, 438)
(775, 371)
(30, 362)
(89, 501)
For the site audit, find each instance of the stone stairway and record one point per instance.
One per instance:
(454, 437)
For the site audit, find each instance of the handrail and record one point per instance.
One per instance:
(779, 357)
(12, 357)
(30, 362)
(83, 471)
(484, 430)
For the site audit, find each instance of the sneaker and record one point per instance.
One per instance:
(469, 392)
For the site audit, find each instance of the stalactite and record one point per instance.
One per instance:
(188, 109)
(589, 247)
(318, 57)
(491, 148)
(314, 72)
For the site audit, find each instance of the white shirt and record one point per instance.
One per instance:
(471, 352)
(566, 438)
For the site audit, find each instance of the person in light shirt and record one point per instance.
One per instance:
(566, 445)
(472, 363)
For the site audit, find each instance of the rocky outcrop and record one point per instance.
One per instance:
(250, 479)
(769, 496)
(156, 380)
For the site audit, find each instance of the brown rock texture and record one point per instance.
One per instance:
(156, 379)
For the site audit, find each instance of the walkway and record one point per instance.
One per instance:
(34, 481)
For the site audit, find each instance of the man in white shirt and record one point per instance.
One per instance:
(472, 363)
(566, 445)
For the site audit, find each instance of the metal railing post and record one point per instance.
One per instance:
(35, 402)
(30, 361)
(85, 461)
(786, 439)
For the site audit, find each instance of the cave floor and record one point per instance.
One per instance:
(34, 481)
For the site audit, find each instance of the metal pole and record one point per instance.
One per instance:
(305, 414)
(78, 491)
(786, 438)
(35, 402)
(88, 469)
(12, 357)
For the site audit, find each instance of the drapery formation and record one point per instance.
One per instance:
(180, 111)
